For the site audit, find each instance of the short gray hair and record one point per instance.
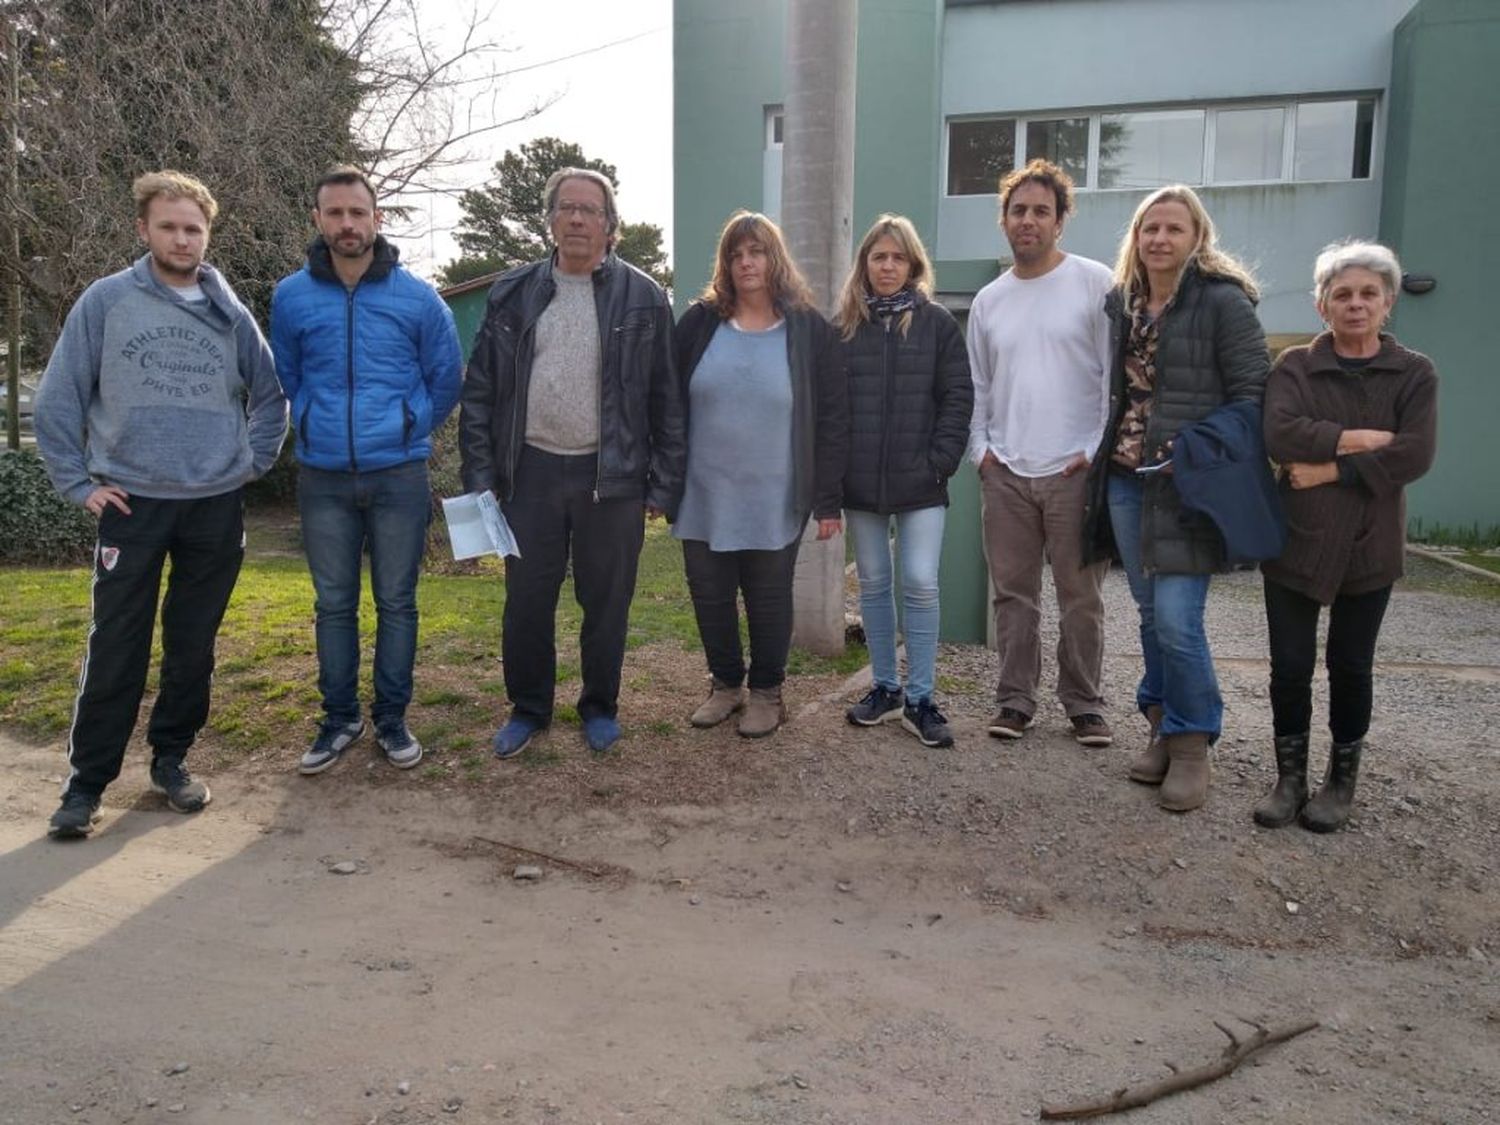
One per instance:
(562, 175)
(1337, 257)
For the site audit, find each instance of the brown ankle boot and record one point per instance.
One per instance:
(763, 712)
(1186, 783)
(1150, 765)
(722, 702)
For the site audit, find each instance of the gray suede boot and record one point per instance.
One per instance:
(763, 713)
(722, 702)
(1150, 765)
(1281, 806)
(1186, 785)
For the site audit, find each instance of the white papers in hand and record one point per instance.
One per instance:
(476, 526)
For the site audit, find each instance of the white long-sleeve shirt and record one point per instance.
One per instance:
(1039, 354)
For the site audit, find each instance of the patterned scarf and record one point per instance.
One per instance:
(903, 300)
(1140, 380)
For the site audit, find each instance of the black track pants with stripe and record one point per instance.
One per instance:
(204, 539)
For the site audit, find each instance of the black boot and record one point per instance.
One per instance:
(1281, 806)
(1327, 811)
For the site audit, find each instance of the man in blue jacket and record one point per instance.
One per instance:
(369, 357)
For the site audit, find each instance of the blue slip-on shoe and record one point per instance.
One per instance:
(601, 732)
(515, 736)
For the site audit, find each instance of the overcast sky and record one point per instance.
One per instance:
(613, 98)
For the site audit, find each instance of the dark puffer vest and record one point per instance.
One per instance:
(910, 400)
(1211, 349)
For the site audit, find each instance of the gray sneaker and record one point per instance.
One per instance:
(75, 817)
(401, 748)
(333, 739)
(170, 778)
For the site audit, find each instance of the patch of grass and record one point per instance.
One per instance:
(661, 727)
(1484, 562)
(804, 663)
(265, 687)
(441, 697)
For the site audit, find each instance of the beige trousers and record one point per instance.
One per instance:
(1027, 521)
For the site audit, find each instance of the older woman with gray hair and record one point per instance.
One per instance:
(1352, 419)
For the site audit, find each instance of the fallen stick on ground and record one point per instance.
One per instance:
(572, 865)
(1235, 1053)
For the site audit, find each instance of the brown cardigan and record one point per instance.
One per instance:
(1348, 538)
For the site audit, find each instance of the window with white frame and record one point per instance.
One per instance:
(1304, 139)
(775, 123)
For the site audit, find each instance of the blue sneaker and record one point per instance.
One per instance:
(401, 747)
(515, 736)
(601, 732)
(333, 739)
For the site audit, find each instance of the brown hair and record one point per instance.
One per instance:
(348, 175)
(852, 311)
(172, 185)
(788, 288)
(1130, 272)
(1046, 173)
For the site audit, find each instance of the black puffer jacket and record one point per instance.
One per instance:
(1211, 349)
(642, 442)
(820, 402)
(910, 399)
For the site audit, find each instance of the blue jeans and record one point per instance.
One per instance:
(387, 510)
(1179, 675)
(919, 539)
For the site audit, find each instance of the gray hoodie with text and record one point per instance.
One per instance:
(157, 395)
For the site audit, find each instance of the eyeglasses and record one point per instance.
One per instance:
(582, 210)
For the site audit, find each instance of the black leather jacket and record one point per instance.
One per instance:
(642, 440)
(910, 400)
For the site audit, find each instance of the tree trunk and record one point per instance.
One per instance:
(817, 201)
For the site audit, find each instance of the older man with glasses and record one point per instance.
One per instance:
(572, 415)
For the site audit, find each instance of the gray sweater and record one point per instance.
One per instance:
(157, 396)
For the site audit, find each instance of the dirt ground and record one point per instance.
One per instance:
(834, 925)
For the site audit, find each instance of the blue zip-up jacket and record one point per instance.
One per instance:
(370, 371)
(1220, 468)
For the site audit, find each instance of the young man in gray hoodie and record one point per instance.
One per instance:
(159, 403)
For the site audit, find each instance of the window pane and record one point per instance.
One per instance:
(1064, 141)
(979, 153)
(1147, 150)
(1247, 144)
(1333, 140)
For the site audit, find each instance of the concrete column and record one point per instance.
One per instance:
(817, 203)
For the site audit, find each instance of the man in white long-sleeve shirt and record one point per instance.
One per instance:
(1039, 352)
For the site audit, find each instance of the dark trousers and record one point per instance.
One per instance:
(205, 541)
(1353, 627)
(715, 580)
(555, 517)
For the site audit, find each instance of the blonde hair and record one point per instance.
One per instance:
(172, 185)
(852, 311)
(787, 287)
(1130, 272)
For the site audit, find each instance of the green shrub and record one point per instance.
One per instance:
(36, 524)
(279, 486)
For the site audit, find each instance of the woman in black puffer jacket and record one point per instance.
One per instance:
(910, 397)
(1186, 342)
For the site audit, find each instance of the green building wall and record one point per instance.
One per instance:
(1440, 215)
